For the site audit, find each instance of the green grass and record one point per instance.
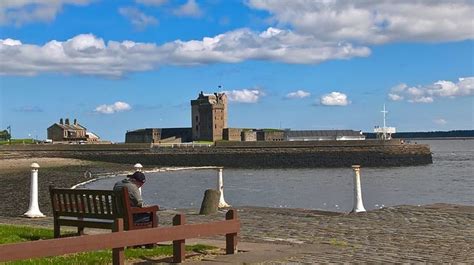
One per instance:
(14, 234)
(18, 141)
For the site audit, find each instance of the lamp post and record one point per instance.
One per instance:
(34, 210)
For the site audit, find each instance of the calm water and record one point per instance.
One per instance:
(449, 179)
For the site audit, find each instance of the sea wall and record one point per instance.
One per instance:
(295, 155)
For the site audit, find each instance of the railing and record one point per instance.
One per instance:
(120, 239)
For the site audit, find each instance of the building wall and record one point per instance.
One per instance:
(56, 133)
(249, 136)
(232, 134)
(155, 135)
(149, 135)
(185, 134)
(270, 136)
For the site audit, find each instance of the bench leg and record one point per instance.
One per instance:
(80, 230)
(57, 230)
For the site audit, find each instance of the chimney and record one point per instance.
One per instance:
(75, 121)
(61, 121)
(67, 121)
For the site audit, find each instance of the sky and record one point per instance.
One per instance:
(300, 64)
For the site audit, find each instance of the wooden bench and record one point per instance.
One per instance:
(83, 208)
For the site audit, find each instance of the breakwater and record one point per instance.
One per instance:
(244, 154)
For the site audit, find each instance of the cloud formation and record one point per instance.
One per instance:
(244, 95)
(298, 94)
(334, 99)
(90, 55)
(374, 21)
(428, 93)
(189, 9)
(19, 12)
(138, 19)
(118, 106)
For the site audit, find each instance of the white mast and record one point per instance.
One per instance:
(384, 123)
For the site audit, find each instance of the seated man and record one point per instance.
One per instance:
(133, 183)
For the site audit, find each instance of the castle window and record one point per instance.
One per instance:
(197, 128)
(197, 118)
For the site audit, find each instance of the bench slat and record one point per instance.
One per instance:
(94, 209)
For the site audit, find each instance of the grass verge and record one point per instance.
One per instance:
(14, 234)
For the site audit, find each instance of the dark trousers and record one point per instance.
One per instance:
(141, 218)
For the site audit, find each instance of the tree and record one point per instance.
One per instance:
(4, 135)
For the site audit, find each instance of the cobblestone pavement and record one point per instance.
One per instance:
(434, 234)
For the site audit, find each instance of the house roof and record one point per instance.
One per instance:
(321, 133)
(68, 127)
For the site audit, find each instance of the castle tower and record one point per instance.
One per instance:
(209, 116)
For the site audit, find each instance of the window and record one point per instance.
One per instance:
(197, 118)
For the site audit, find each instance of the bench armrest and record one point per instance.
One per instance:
(147, 209)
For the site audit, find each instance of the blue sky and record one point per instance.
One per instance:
(123, 65)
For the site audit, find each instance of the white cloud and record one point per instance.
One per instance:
(118, 106)
(374, 21)
(138, 19)
(244, 95)
(189, 9)
(428, 94)
(334, 99)
(88, 54)
(151, 2)
(19, 12)
(298, 94)
(395, 97)
(440, 121)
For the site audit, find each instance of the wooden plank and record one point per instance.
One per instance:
(61, 246)
(94, 202)
(109, 202)
(231, 238)
(89, 205)
(179, 248)
(118, 255)
(84, 210)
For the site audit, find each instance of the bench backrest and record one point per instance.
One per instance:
(83, 203)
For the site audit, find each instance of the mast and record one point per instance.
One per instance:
(384, 130)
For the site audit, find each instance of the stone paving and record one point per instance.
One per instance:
(439, 233)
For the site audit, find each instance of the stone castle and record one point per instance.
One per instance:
(209, 123)
(209, 116)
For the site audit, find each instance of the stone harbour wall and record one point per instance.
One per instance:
(257, 157)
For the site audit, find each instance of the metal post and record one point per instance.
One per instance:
(358, 204)
(33, 210)
(220, 188)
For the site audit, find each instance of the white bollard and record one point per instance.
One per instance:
(34, 210)
(358, 204)
(138, 167)
(220, 188)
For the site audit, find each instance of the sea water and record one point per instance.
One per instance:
(450, 179)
